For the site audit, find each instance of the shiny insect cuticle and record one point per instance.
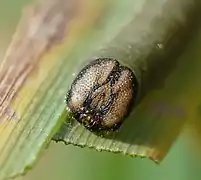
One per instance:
(102, 95)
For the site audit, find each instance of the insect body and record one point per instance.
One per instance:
(102, 94)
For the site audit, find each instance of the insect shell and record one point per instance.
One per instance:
(102, 94)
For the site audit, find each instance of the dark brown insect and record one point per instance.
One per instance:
(102, 94)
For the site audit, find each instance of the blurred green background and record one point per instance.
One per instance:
(67, 162)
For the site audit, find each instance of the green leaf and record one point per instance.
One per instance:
(54, 41)
(151, 44)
